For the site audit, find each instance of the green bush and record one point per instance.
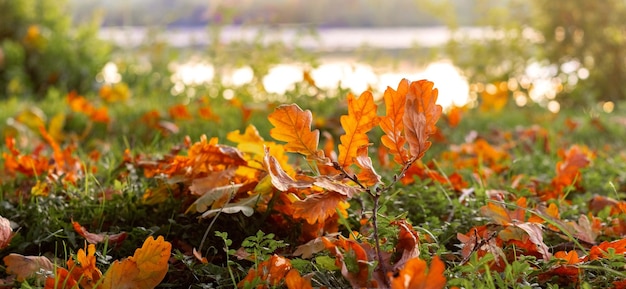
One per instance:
(40, 48)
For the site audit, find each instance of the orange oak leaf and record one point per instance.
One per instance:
(350, 251)
(415, 275)
(24, 267)
(85, 271)
(293, 126)
(98, 238)
(61, 280)
(317, 207)
(392, 123)
(6, 232)
(566, 272)
(420, 116)
(361, 118)
(272, 271)
(600, 251)
(293, 280)
(568, 170)
(144, 270)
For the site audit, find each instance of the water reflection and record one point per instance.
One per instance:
(357, 77)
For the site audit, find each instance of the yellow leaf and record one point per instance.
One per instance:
(55, 128)
(144, 270)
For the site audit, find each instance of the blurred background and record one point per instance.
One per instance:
(480, 53)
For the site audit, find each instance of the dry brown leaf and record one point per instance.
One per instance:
(24, 267)
(420, 116)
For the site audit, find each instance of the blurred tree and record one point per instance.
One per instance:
(589, 34)
(43, 49)
(579, 44)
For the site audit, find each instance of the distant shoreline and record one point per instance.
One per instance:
(323, 39)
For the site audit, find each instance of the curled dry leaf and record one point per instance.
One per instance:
(310, 248)
(6, 232)
(420, 116)
(408, 243)
(367, 176)
(280, 179)
(98, 238)
(350, 252)
(332, 185)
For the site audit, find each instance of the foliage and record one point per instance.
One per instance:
(574, 47)
(40, 49)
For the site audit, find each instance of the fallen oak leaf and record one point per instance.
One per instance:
(280, 179)
(24, 267)
(310, 248)
(318, 207)
(62, 279)
(85, 271)
(92, 238)
(144, 270)
(353, 260)
(293, 280)
(271, 272)
(414, 275)
(408, 243)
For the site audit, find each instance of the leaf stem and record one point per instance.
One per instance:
(379, 254)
